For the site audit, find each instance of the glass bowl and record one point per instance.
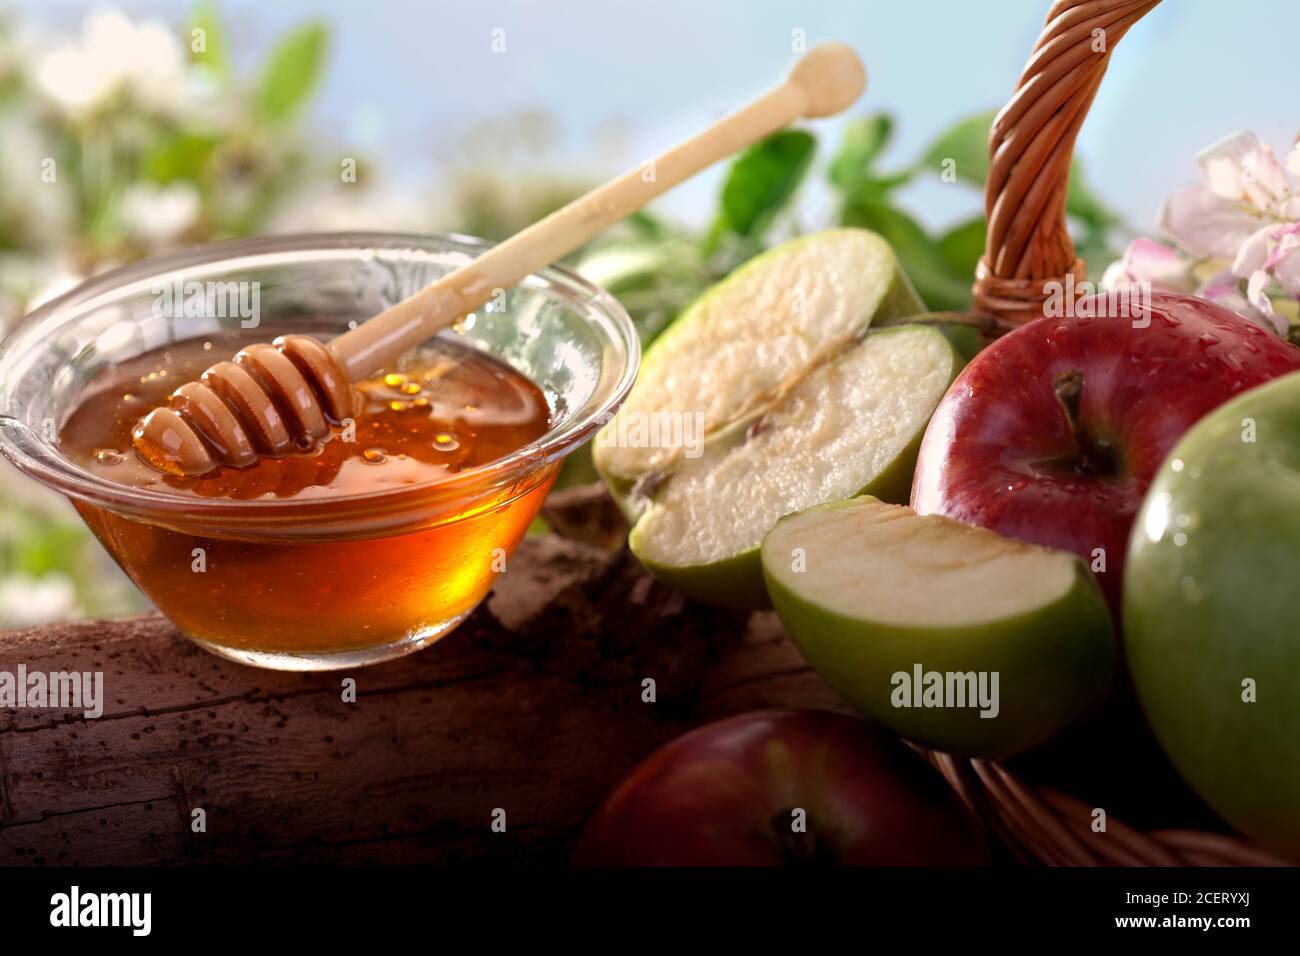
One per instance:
(330, 582)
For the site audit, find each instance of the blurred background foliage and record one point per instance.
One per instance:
(121, 139)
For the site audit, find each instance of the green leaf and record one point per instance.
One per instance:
(215, 54)
(1083, 204)
(966, 144)
(181, 156)
(653, 278)
(646, 225)
(863, 141)
(1096, 252)
(962, 246)
(291, 73)
(48, 548)
(923, 261)
(761, 181)
(876, 190)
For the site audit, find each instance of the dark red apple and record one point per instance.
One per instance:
(1053, 433)
(729, 794)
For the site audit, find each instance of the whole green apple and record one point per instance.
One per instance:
(1210, 614)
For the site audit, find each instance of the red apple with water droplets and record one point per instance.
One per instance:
(1053, 433)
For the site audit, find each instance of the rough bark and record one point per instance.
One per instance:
(533, 706)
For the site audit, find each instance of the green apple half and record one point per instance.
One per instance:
(880, 599)
(794, 402)
(1211, 619)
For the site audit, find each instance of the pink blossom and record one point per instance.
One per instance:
(1152, 263)
(1245, 211)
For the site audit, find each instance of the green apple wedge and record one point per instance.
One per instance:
(1211, 619)
(909, 618)
(790, 401)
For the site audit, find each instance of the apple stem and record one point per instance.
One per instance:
(799, 849)
(1096, 455)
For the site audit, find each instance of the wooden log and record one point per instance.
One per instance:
(533, 706)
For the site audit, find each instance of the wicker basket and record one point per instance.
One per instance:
(1027, 246)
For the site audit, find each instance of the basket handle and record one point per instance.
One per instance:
(1027, 244)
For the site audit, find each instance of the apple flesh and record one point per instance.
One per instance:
(1212, 628)
(885, 604)
(1053, 433)
(744, 339)
(852, 425)
(776, 788)
(793, 399)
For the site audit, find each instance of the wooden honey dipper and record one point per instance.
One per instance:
(273, 397)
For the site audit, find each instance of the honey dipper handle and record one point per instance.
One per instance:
(824, 81)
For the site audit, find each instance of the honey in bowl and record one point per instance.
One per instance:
(341, 595)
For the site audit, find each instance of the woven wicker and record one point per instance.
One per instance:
(1028, 246)
(1030, 145)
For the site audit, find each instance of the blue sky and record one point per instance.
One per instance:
(625, 78)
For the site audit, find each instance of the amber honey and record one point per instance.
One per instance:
(324, 586)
